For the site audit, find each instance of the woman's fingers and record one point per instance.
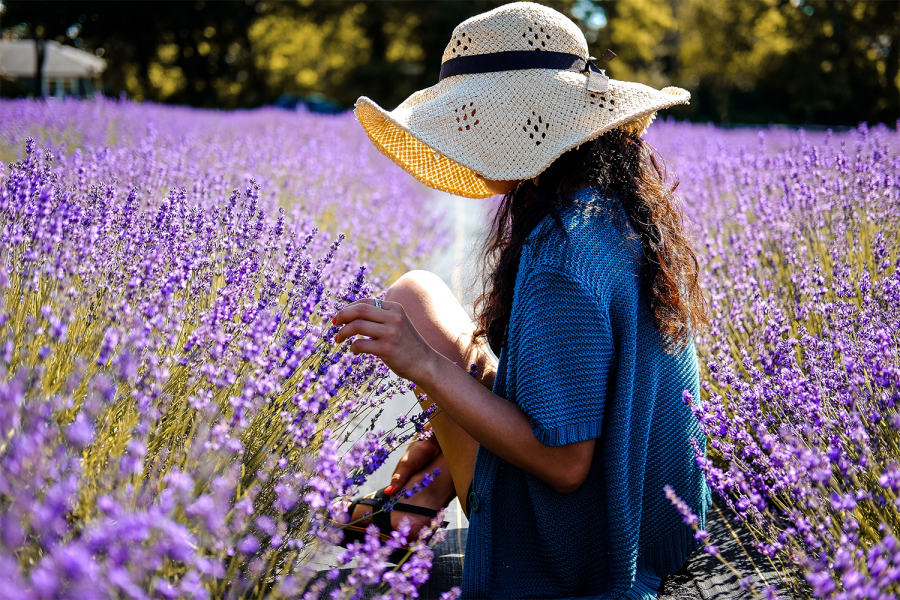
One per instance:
(364, 327)
(394, 338)
(363, 346)
(364, 309)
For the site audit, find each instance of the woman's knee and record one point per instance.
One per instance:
(416, 282)
(418, 292)
(442, 321)
(433, 309)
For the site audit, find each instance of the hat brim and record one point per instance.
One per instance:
(495, 124)
(414, 156)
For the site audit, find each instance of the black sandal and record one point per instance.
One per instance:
(381, 518)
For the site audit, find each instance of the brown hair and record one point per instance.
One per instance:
(624, 166)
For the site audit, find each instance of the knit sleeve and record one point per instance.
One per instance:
(563, 346)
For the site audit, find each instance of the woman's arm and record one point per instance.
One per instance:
(497, 424)
(502, 427)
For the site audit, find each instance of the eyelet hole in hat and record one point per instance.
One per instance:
(465, 117)
(536, 128)
(462, 43)
(605, 100)
(536, 37)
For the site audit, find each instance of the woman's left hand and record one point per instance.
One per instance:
(391, 336)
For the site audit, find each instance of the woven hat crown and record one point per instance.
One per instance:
(514, 94)
(518, 26)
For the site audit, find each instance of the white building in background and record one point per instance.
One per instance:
(68, 71)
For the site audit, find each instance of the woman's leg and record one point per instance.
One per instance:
(442, 321)
(444, 324)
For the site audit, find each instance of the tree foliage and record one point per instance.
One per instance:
(791, 61)
(810, 62)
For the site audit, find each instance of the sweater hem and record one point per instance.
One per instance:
(668, 553)
(645, 587)
(567, 434)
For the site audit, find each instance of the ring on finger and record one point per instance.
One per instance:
(377, 302)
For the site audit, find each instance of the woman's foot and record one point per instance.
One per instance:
(436, 495)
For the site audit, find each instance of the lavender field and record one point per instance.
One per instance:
(798, 242)
(176, 420)
(175, 416)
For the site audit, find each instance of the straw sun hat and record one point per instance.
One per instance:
(517, 90)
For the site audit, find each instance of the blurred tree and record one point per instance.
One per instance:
(242, 53)
(727, 48)
(300, 54)
(853, 63)
(797, 61)
(790, 61)
(643, 34)
(194, 53)
(384, 50)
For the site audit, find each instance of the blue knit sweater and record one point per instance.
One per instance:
(584, 360)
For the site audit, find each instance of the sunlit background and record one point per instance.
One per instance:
(754, 61)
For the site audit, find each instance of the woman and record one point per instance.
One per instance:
(560, 452)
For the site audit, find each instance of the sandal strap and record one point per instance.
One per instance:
(383, 498)
(416, 510)
(401, 506)
(381, 518)
(352, 508)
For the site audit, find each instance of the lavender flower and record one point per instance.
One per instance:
(175, 416)
(798, 237)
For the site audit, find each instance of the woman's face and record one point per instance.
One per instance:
(497, 186)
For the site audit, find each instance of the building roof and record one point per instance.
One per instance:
(19, 59)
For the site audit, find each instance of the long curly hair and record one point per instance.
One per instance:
(621, 164)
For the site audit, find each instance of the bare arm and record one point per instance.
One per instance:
(497, 424)
(502, 427)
